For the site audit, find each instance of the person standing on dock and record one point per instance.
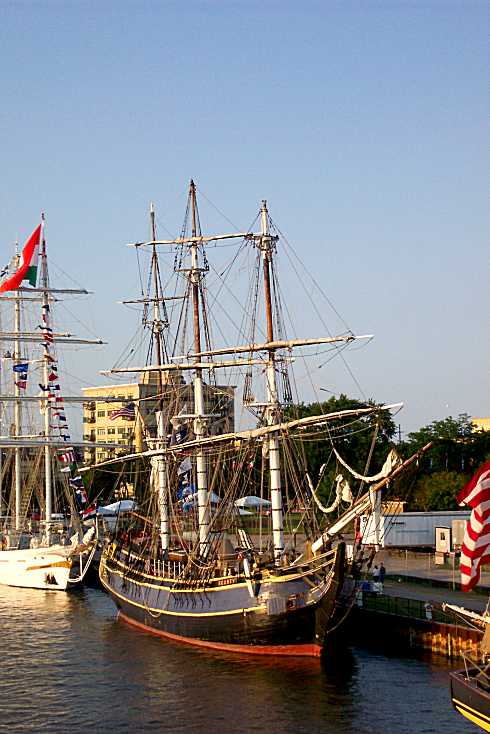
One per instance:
(382, 574)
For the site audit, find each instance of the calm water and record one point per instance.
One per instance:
(67, 666)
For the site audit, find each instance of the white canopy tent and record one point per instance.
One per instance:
(116, 507)
(252, 502)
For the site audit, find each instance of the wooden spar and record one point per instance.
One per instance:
(59, 338)
(37, 334)
(171, 367)
(253, 433)
(278, 344)
(161, 299)
(266, 346)
(194, 240)
(38, 442)
(66, 399)
(364, 502)
(72, 291)
(26, 299)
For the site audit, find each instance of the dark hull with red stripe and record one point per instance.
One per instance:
(287, 614)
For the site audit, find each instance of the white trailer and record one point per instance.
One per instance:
(408, 529)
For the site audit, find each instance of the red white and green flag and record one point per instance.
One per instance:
(27, 269)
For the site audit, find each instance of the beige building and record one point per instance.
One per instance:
(481, 424)
(176, 399)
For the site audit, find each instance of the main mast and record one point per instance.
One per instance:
(272, 409)
(199, 413)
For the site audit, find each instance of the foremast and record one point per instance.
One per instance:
(159, 466)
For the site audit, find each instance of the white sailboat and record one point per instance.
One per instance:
(43, 545)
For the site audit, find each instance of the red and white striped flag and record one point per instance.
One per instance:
(476, 545)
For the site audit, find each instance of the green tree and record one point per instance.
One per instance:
(352, 436)
(457, 447)
(436, 491)
(457, 452)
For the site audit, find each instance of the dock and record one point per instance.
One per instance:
(408, 615)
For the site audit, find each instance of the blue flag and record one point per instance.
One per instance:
(21, 367)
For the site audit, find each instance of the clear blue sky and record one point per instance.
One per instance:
(364, 124)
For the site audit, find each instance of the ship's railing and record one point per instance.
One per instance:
(316, 562)
(167, 569)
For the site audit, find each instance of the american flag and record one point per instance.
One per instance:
(127, 412)
(68, 456)
(476, 545)
(89, 511)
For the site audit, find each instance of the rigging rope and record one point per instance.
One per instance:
(392, 461)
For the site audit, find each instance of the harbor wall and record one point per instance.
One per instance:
(415, 626)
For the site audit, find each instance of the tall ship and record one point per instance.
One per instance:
(43, 542)
(234, 548)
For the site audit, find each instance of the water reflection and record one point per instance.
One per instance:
(69, 666)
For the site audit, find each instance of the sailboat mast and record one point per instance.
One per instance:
(2, 417)
(160, 474)
(17, 414)
(272, 397)
(48, 471)
(199, 424)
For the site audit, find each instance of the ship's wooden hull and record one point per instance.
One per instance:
(469, 698)
(288, 613)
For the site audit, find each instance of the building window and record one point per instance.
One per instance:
(110, 431)
(100, 413)
(100, 431)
